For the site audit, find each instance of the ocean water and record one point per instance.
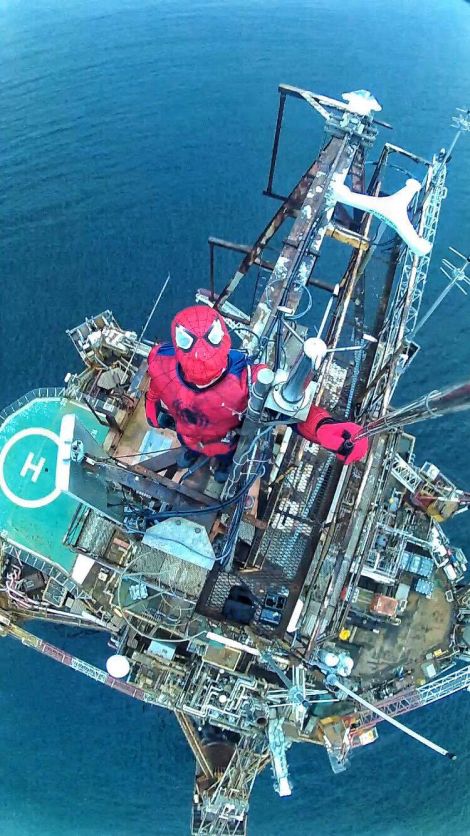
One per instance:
(131, 130)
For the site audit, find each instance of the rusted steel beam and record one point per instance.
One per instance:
(396, 149)
(358, 172)
(295, 264)
(293, 202)
(321, 103)
(194, 742)
(346, 236)
(280, 114)
(223, 244)
(143, 481)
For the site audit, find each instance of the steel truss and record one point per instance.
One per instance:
(413, 698)
(394, 347)
(223, 811)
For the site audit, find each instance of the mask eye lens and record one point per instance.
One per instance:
(216, 334)
(183, 338)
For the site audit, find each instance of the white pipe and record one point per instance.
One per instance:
(219, 639)
(393, 722)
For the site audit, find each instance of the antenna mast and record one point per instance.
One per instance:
(432, 405)
(456, 275)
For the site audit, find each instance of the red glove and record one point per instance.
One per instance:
(322, 429)
(332, 436)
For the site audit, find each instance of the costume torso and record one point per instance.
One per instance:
(205, 418)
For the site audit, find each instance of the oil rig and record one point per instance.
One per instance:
(301, 601)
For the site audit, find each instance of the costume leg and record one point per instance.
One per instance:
(224, 463)
(187, 457)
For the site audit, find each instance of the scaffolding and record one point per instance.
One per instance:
(223, 811)
(393, 350)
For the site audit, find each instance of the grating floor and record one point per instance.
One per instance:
(96, 534)
(286, 545)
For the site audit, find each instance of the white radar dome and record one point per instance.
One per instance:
(118, 666)
(345, 665)
(329, 658)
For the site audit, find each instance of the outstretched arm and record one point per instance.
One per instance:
(337, 436)
(152, 408)
(152, 401)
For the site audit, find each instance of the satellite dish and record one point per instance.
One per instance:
(118, 666)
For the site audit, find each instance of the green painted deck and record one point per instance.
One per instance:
(34, 515)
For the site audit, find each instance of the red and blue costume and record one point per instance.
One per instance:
(203, 385)
(201, 382)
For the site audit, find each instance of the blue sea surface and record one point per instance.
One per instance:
(132, 130)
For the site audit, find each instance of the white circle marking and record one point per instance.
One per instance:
(17, 500)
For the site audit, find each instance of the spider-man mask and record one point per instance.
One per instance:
(202, 344)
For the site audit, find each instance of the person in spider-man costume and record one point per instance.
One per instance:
(199, 385)
(202, 384)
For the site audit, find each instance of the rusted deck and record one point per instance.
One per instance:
(425, 626)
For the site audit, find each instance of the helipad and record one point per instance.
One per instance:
(33, 513)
